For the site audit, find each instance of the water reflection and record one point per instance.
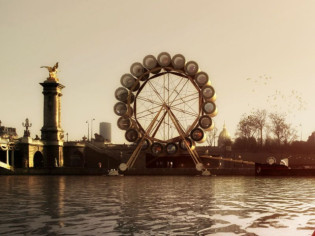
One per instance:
(156, 205)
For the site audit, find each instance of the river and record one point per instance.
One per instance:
(156, 205)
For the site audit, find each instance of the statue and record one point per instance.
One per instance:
(52, 71)
(99, 138)
(27, 125)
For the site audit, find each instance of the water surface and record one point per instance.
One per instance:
(156, 205)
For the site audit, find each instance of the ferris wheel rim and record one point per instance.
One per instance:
(196, 94)
(183, 104)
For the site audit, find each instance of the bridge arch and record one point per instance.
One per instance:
(38, 160)
(77, 159)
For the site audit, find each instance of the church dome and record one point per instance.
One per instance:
(223, 136)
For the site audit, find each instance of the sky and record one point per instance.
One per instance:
(258, 55)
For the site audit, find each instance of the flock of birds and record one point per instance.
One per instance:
(279, 100)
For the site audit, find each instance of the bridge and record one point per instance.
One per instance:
(6, 166)
(7, 146)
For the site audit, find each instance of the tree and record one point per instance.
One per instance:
(253, 125)
(259, 122)
(245, 127)
(282, 131)
(211, 136)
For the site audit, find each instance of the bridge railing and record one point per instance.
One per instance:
(7, 146)
(6, 166)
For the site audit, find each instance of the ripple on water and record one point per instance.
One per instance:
(156, 205)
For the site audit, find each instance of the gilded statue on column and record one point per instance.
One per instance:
(52, 72)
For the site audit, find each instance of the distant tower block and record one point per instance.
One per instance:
(52, 133)
(106, 131)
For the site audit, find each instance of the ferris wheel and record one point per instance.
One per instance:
(165, 104)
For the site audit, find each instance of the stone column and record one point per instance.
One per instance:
(52, 133)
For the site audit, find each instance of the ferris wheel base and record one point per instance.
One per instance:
(123, 167)
(199, 167)
(206, 173)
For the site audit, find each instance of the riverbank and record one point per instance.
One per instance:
(147, 171)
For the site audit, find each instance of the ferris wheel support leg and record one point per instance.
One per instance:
(132, 159)
(136, 152)
(193, 153)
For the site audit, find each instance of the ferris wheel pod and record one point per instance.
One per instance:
(132, 135)
(178, 61)
(156, 148)
(208, 93)
(210, 108)
(164, 59)
(124, 123)
(202, 79)
(122, 93)
(150, 62)
(120, 109)
(137, 70)
(145, 75)
(146, 144)
(136, 86)
(198, 135)
(128, 81)
(191, 68)
(188, 141)
(171, 148)
(205, 122)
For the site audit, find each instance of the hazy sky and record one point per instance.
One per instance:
(258, 54)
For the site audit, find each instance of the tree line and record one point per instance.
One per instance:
(261, 130)
(265, 128)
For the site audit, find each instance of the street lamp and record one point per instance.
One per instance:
(88, 136)
(92, 128)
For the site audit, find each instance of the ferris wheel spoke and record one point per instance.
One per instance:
(148, 112)
(175, 88)
(196, 96)
(184, 111)
(156, 92)
(178, 92)
(188, 105)
(149, 100)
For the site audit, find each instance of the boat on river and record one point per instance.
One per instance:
(282, 170)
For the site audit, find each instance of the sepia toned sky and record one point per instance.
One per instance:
(258, 54)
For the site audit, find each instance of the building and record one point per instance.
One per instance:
(224, 137)
(106, 131)
(311, 138)
(7, 132)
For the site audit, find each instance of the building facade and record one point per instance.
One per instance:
(106, 131)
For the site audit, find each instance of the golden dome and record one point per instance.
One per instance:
(223, 136)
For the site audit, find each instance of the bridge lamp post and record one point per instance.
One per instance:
(92, 128)
(88, 136)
